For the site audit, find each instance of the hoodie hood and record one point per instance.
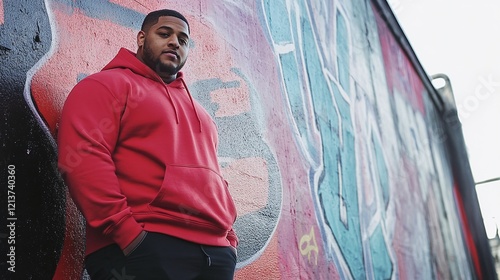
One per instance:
(127, 59)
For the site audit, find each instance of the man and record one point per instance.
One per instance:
(138, 154)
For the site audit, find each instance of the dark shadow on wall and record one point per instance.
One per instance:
(35, 206)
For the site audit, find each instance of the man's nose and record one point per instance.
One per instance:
(173, 41)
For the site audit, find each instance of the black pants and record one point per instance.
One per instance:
(163, 257)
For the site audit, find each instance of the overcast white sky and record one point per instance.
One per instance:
(461, 40)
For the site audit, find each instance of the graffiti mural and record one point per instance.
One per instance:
(332, 147)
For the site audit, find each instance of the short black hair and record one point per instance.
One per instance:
(152, 18)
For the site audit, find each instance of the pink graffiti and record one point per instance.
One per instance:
(2, 19)
(136, 5)
(65, 66)
(401, 76)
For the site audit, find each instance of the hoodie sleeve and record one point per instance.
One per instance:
(87, 136)
(233, 239)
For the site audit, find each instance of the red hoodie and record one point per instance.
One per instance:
(138, 154)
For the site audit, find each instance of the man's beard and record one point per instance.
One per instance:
(157, 65)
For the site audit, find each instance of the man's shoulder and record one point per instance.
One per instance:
(114, 81)
(112, 78)
(114, 73)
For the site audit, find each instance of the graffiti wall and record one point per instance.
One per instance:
(333, 148)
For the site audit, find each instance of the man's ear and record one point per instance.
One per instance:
(140, 38)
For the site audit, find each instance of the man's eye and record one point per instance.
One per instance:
(183, 41)
(164, 34)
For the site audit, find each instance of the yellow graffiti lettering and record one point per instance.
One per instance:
(309, 246)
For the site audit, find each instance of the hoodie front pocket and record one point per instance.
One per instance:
(197, 195)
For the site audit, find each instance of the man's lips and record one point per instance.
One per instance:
(171, 54)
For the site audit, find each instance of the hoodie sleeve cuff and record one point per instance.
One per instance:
(233, 239)
(125, 232)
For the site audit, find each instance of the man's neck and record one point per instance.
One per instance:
(167, 79)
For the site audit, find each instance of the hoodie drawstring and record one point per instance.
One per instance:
(192, 103)
(173, 103)
(190, 98)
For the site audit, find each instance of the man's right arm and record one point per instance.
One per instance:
(88, 133)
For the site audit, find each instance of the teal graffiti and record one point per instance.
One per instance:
(381, 261)
(333, 160)
(383, 173)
